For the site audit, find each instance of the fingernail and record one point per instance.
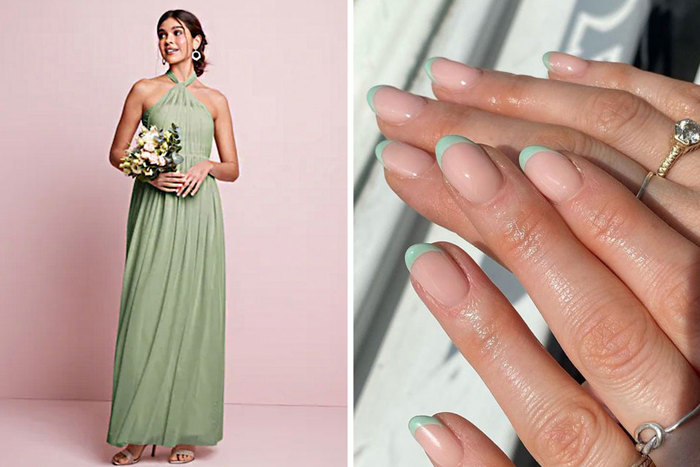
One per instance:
(437, 440)
(564, 64)
(552, 173)
(437, 273)
(468, 168)
(449, 74)
(394, 105)
(403, 158)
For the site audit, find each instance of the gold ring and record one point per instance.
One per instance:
(686, 137)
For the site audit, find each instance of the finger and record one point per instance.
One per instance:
(618, 118)
(428, 120)
(449, 439)
(187, 187)
(675, 98)
(604, 329)
(590, 390)
(416, 178)
(196, 187)
(674, 203)
(558, 422)
(654, 261)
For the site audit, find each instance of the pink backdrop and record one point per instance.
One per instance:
(68, 68)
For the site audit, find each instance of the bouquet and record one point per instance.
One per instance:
(156, 151)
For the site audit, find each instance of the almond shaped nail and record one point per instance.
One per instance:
(403, 159)
(437, 440)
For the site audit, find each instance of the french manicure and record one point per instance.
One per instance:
(394, 105)
(437, 273)
(402, 158)
(449, 74)
(564, 64)
(437, 440)
(468, 168)
(552, 173)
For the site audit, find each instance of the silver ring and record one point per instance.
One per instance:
(660, 434)
(644, 184)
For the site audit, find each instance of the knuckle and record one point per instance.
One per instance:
(523, 236)
(562, 138)
(569, 435)
(677, 297)
(515, 89)
(610, 223)
(609, 111)
(612, 347)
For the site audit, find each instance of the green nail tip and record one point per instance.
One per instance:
(422, 420)
(370, 96)
(545, 60)
(380, 147)
(529, 151)
(427, 67)
(414, 251)
(447, 141)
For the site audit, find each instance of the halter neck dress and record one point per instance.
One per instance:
(168, 378)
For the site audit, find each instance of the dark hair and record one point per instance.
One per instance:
(192, 23)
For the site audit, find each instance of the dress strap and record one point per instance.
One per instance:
(187, 82)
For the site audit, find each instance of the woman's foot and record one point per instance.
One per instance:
(135, 449)
(181, 457)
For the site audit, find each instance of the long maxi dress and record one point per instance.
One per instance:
(168, 378)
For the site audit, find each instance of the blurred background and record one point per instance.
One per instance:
(403, 361)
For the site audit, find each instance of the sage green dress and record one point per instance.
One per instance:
(168, 381)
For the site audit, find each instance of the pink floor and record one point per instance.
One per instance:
(72, 433)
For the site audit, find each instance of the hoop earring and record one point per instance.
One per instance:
(199, 55)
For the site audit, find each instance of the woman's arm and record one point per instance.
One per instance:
(227, 169)
(128, 123)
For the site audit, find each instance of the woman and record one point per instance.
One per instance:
(598, 226)
(169, 358)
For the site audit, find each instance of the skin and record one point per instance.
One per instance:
(616, 124)
(615, 281)
(144, 94)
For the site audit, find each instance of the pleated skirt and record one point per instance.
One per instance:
(168, 380)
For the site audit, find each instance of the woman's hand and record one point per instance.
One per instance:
(615, 115)
(617, 286)
(194, 177)
(168, 181)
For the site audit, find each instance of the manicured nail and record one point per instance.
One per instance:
(437, 273)
(564, 64)
(552, 173)
(437, 440)
(402, 158)
(468, 168)
(394, 105)
(451, 75)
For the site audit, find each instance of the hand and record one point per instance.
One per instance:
(616, 285)
(168, 181)
(617, 116)
(194, 177)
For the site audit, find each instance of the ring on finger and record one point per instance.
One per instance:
(686, 137)
(660, 433)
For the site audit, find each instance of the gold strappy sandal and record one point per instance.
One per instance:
(184, 452)
(132, 460)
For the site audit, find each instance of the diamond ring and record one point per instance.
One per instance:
(686, 137)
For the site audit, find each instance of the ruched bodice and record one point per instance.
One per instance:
(178, 105)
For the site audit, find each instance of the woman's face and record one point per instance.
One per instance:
(175, 41)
